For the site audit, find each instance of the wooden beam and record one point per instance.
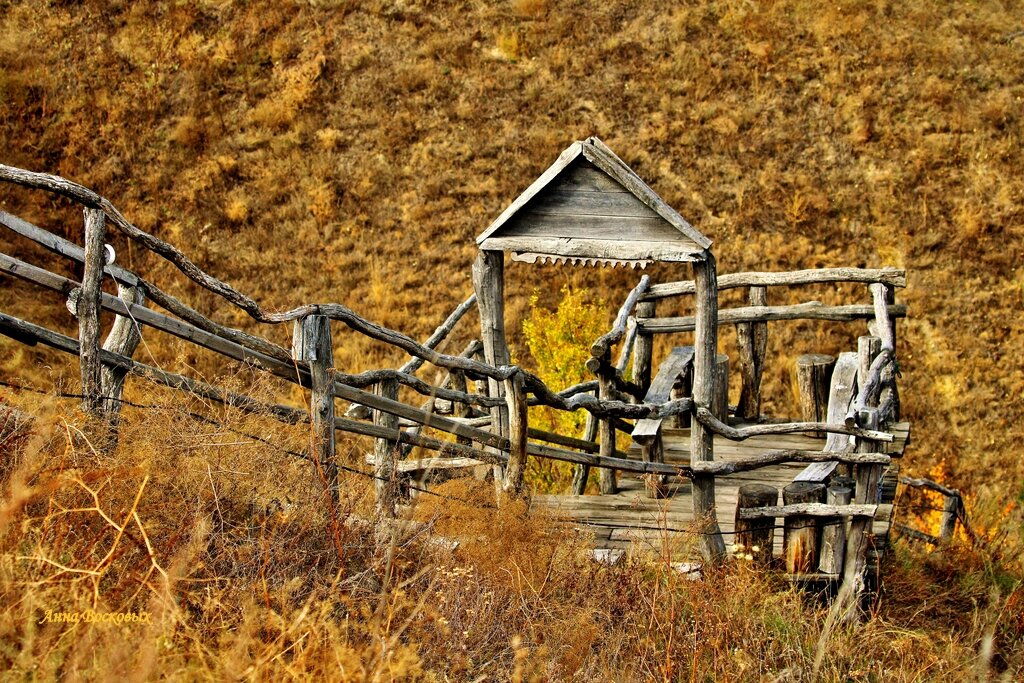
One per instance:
(812, 310)
(890, 276)
(722, 468)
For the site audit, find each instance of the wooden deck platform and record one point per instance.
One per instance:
(665, 523)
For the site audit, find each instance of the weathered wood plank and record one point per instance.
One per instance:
(585, 248)
(676, 364)
(61, 246)
(605, 428)
(579, 202)
(533, 224)
(841, 393)
(812, 310)
(890, 276)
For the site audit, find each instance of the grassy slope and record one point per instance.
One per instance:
(383, 136)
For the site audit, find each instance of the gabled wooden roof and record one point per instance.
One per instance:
(590, 207)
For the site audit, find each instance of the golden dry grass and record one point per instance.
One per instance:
(315, 151)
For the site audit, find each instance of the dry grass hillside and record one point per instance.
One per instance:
(335, 150)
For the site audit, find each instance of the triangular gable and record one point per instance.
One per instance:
(589, 206)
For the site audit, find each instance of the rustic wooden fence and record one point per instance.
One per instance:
(611, 401)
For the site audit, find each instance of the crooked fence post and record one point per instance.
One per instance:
(518, 424)
(581, 473)
(607, 480)
(123, 339)
(385, 457)
(855, 562)
(88, 311)
(311, 343)
(950, 514)
(489, 285)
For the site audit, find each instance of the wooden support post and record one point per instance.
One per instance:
(89, 311)
(701, 438)
(123, 339)
(752, 339)
(867, 477)
(867, 349)
(582, 472)
(833, 532)
(800, 535)
(858, 538)
(756, 536)
(950, 515)
(515, 395)
(606, 430)
(643, 352)
(311, 343)
(814, 376)
(720, 407)
(855, 568)
(489, 284)
(385, 458)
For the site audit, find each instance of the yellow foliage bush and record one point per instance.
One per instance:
(559, 342)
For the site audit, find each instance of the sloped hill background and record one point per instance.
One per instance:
(351, 151)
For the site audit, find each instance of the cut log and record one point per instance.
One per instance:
(814, 376)
(833, 532)
(800, 535)
(756, 536)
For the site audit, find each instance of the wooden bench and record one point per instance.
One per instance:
(674, 369)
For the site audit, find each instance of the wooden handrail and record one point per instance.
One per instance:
(812, 310)
(890, 276)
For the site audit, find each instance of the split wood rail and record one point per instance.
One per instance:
(498, 387)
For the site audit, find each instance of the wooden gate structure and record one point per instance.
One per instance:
(693, 455)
